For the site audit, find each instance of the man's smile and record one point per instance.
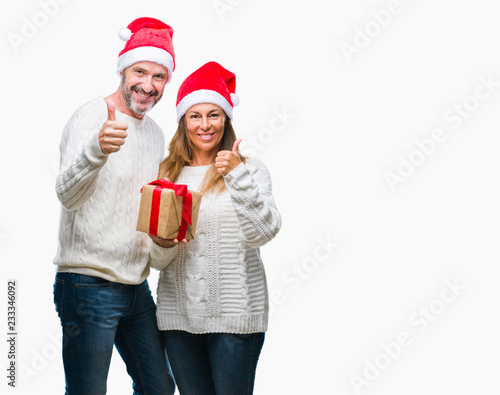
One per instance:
(142, 95)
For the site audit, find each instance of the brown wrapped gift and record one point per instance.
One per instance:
(163, 205)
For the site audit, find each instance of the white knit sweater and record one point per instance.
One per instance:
(100, 196)
(217, 283)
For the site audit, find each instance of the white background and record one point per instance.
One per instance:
(338, 313)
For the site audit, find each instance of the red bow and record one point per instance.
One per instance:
(187, 206)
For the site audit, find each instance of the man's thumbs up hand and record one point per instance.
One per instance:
(113, 133)
(111, 110)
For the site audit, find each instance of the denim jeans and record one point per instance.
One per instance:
(214, 363)
(95, 314)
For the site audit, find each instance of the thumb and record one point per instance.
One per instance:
(235, 145)
(111, 110)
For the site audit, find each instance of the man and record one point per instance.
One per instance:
(109, 150)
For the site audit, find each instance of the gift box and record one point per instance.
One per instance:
(168, 210)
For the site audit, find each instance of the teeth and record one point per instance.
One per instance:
(205, 136)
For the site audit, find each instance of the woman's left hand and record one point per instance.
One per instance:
(167, 243)
(228, 160)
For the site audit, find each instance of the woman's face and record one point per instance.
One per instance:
(205, 127)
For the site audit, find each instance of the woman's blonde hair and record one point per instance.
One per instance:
(181, 154)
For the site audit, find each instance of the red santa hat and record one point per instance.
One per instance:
(211, 83)
(148, 39)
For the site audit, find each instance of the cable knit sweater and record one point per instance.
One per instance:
(217, 283)
(100, 196)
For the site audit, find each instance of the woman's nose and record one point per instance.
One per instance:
(204, 123)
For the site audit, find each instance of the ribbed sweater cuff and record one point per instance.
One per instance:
(161, 257)
(223, 324)
(237, 172)
(92, 149)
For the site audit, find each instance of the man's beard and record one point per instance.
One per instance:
(132, 104)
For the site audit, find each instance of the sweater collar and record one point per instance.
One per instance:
(130, 120)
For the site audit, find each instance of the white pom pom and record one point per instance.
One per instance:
(125, 34)
(235, 99)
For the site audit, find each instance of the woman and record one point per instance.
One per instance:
(212, 292)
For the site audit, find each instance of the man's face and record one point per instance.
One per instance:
(142, 86)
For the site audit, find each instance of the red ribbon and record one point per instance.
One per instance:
(187, 206)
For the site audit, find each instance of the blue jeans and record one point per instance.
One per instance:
(214, 363)
(95, 314)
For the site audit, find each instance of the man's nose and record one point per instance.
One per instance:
(147, 85)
